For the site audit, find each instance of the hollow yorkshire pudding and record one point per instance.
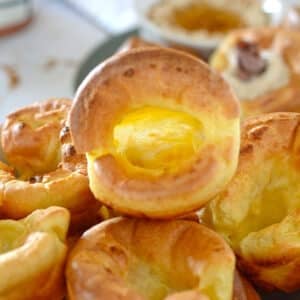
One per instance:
(160, 129)
(39, 129)
(32, 255)
(30, 136)
(154, 260)
(263, 67)
(258, 212)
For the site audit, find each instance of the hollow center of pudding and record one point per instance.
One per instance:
(153, 286)
(273, 194)
(201, 16)
(157, 138)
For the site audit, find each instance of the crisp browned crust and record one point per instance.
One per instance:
(258, 212)
(164, 78)
(287, 44)
(32, 256)
(109, 254)
(266, 135)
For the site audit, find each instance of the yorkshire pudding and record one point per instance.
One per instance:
(263, 67)
(32, 255)
(258, 212)
(160, 129)
(139, 259)
(48, 169)
(30, 136)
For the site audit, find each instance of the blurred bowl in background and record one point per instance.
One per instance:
(202, 24)
(14, 15)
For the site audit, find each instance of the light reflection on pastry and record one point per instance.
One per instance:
(160, 129)
(291, 19)
(32, 256)
(139, 259)
(49, 171)
(263, 67)
(258, 212)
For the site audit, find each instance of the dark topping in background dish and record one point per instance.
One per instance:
(250, 62)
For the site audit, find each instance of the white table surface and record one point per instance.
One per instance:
(45, 56)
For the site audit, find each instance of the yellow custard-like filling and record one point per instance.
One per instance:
(156, 138)
(197, 16)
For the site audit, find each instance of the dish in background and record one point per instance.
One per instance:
(176, 21)
(14, 15)
(112, 44)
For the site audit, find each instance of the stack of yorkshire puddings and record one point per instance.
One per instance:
(153, 136)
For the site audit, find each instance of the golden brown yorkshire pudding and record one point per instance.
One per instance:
(30, 136)
(32, 256)
(263, 67)
(39, 129)
(139, 259)
(161, 132)
(258, 212)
